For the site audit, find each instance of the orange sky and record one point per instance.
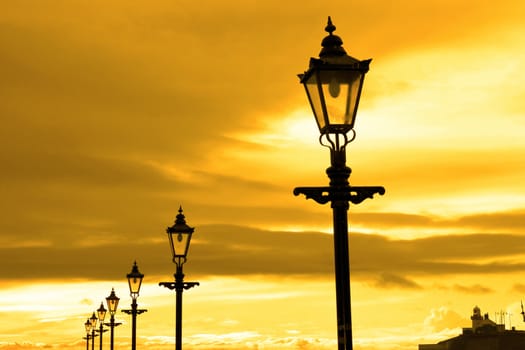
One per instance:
(115, 113)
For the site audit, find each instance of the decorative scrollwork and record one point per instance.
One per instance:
(178, 285)
(353, 194)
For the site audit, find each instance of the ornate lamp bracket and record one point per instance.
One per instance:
(358, 194)
(353, 194)
(319, 194)
(183, 285)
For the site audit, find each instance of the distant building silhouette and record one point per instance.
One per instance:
(484, 334)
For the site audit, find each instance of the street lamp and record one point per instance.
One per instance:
(87, 326)
(93, 320)
(179, 236)
(112, 301)
(333, 84)
(134, 281)
(101, 312)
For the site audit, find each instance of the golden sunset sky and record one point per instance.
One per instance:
(114, 113)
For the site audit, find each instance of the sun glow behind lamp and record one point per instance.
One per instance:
(333, 84)
(134, 281)
(179, 236)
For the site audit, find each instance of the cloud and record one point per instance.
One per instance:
(509, 220)
(115, 120)
(519, 287)
(115, 114)
(500, 221)
(390, 280)
(239, 250)
(86, 301)
(473, 289)
(442, 318)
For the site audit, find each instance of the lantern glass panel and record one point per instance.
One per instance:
(112, 302)
(101, 312)
(316, 101)
(93, 321)
(87, 326)
(341, 90)
(179, 242)
(134, 284)
(112, 305)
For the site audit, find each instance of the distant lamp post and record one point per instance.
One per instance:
(93, 320)
(179, 236)
(112, 302)
(134, 281)
(333, 84)
(87, 326)
(101, 312)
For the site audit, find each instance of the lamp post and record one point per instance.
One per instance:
(93, 320)
(134, 281)
(112, 301)
(333, 84)
(101, 312)
(179, 236)
(87, 326)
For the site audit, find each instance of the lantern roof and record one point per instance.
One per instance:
(135, 273)
(180, 224)
(332, 44)
(333, 56)
(333, 84)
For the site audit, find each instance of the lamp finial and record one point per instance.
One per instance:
(330, 28)
(181, 219)
(332, 44)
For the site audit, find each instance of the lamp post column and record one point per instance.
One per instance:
(333, 84)
(179, 288)
(340, 193)
(93, 320)
(134, 282)
(134, 311)
(133, 324)
(179, 236)
(112, 301)
(93, 339)
(111, 331)
(338, 174)
(87, 327)
(88, 336)
(101, 331)
(101, 311)
(179, 285)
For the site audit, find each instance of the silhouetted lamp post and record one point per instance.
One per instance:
(333, 84)
(179, 236)
(134, 281)
(101, 312)
(93, 320)
(112, 302)
(87, 326)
